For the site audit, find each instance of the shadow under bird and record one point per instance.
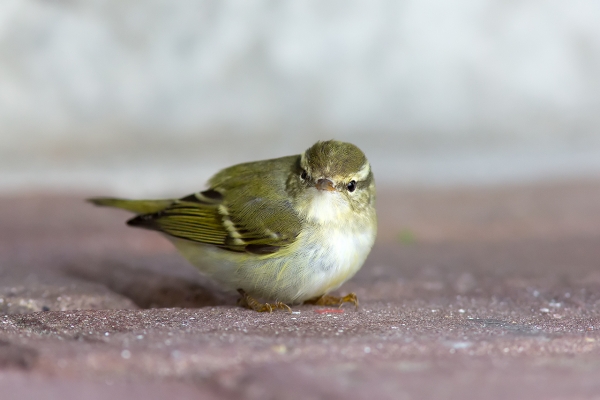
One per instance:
(286, 231)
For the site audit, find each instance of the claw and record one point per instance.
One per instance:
(283, 306)
(251, 303)
(327, 300)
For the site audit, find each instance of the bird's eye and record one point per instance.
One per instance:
(304, 175)
(351, 186)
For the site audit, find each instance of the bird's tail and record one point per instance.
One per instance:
(136, 206)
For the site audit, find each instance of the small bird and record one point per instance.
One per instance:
(285, 231)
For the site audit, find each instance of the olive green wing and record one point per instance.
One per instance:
(247, 209)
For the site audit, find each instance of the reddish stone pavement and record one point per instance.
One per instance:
(469, 293)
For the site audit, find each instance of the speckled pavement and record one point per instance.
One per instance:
(469, 293)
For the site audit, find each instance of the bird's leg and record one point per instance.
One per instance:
(328, 300)
(249, 302)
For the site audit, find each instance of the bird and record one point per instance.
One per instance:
(281, 232)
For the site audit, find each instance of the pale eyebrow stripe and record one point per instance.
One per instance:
(303, 159)
(364, 172)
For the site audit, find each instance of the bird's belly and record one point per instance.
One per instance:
(315, 264)
(331, 259)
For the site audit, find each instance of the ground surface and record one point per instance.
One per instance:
(479, 293)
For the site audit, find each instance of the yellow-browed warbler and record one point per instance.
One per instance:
(285, 231)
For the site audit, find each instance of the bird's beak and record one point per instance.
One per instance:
(325, 184)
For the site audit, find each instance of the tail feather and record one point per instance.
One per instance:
(136, 206)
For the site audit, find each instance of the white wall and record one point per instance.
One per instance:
(96, 93)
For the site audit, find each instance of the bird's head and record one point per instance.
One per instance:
(334, 180)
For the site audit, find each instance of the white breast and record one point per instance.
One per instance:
(334, 256)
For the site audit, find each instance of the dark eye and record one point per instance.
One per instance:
(351, 186)
(304, 175)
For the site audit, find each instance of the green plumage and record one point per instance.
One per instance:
(247, 208)
(289, 229)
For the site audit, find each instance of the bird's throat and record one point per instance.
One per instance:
(325, 207)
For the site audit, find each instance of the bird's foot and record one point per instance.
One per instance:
(327, 300)
(253, 304)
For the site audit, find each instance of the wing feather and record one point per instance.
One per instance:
(229, 214)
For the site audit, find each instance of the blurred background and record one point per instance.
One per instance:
(150, 97)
